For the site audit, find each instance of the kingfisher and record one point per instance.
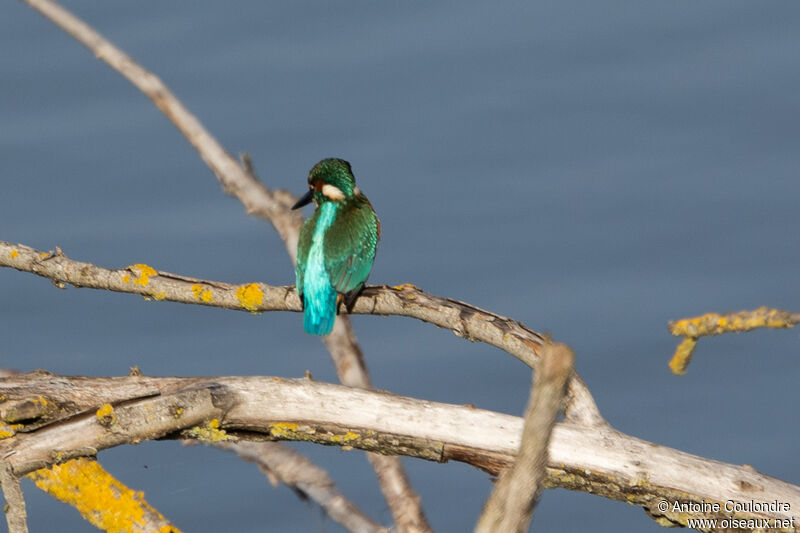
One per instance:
(337, 244)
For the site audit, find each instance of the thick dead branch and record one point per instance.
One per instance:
(281, 464)
(510, 507)
(691, 329)
(595, 459)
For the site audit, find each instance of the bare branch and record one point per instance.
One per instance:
(463, 319)
(281, 464)
(595, 459)
(16, 515)
(84, 484)
(510, 507)
(693, 328)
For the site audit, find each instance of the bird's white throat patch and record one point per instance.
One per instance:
(332, 192)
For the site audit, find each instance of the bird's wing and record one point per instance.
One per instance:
(350, 245)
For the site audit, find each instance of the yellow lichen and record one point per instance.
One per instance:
(126, 278)
(9, 430)
(105, 415)
(101, 499)
(683, 355)
(40, 400)
(159, 296)
(143, 274)
(716, 324)
(43, 255)
(250, 296)
(14, 254)
(210, 432)
(283, 429)
(347, 437)
(201, 293)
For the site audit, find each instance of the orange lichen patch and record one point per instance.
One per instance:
(201, 293)
(105, 415)
(43, 255)
(14, 254)
(143, 274)
(101, 499)
(250, 296)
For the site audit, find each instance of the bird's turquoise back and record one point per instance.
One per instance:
(335, 253)
(313, 282)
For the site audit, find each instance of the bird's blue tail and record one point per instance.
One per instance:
(320, 313)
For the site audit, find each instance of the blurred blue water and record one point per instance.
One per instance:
(592, 169)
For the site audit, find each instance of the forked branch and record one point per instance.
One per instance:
(691, 329)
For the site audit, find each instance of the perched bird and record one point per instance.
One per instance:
(337, 244)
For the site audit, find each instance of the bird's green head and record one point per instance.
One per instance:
(331, 180)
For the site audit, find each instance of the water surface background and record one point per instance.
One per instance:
(592, 169)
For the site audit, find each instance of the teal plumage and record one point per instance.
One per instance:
(337, 244)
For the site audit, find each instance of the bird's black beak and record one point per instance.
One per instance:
(305, 200)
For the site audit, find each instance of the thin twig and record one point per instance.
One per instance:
(16, 515)
(281, 464)
(597, 460)
(691, 329)
(510, 507)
